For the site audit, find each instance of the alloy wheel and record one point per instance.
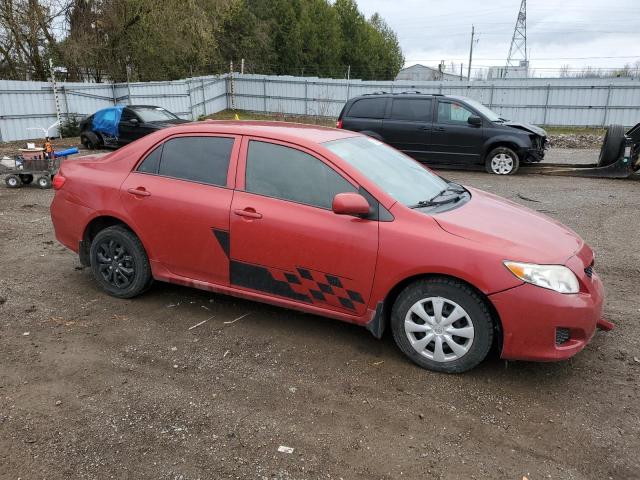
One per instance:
(439, 329)
(115, 264)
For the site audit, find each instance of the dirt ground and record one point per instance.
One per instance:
(92, 387)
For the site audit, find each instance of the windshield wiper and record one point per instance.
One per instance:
(432, 203)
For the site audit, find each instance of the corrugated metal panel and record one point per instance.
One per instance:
(580, 102)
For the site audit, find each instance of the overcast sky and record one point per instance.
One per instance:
(559, 32)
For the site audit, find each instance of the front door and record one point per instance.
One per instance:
(408, 126)
(454, 140)
(285, 239)
(179, 198)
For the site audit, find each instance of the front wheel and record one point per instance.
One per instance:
(119, 262)
(442, 325)
(502, 161)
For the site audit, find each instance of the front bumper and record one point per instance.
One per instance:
(531, 316)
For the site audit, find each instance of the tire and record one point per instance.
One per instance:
(90, 140)
(448, 296)
(114, 251)
(612, 145)
(502, 161)
(13, 181)
(44, 182)
(26, 178)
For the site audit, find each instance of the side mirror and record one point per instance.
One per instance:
(350, 204)
(134, 122)
(474, 120)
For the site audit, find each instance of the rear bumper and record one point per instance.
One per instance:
(531, 315)
(67, 218)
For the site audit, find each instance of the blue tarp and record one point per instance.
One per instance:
(107, 119)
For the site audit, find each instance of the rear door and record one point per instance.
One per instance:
(179, 198)
(408, 126)
(365, 115)
(285, 239)
(454, 140)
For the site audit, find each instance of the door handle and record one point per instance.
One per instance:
(425, 128)
(248, 213)
(140, 191)
(439, 129)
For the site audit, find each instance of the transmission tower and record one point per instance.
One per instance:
(518, 49)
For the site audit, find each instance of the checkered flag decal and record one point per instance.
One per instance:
(321, 287)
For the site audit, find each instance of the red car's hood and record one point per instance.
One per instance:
(522, 234)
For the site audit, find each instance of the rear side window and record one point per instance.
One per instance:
(412, 109)
(151, 162)
(198, 159)
(289, 174)
(452, 112)
(368, 108)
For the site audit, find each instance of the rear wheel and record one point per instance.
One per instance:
(44, 182)
(612, 145)
(13, 181)
(502, 161)
(119, 262)
(443, 325)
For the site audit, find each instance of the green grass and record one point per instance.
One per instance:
(280, 117)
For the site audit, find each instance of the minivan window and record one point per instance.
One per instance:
(411, 109)
(198, 159)
(368, 108)
(452, 112)
(289, 174)
(154, 114)
(398, 175)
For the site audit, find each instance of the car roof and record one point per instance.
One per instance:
(287, 131)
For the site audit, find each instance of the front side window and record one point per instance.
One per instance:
(452, 112)
(411, 109)
(368, 108)
(399, 176)
(290, 174)
(197, 159)
(127, 115)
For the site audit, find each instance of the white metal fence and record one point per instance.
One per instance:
(570, 102)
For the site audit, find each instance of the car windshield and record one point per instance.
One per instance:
(480, 108)
(398, 175)
(154, 114)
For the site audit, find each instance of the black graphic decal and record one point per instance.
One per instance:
(223, 240)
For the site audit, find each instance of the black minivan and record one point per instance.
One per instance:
(445, 130)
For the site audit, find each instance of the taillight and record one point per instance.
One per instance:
(339, 124)
(58, 181)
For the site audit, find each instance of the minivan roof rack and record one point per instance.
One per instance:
(379, 92)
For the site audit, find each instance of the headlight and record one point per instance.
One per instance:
(553, 277)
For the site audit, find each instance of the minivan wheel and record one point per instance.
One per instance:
(119, 262)
(442, 325)
(502, 161)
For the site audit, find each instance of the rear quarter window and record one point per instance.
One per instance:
(368, 108)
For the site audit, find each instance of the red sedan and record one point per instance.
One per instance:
(334, 223)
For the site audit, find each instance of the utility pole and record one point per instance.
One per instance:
(473, 32)
(242, 66)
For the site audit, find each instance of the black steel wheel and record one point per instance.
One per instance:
(26, 178)
(13, 181)
(119, 262)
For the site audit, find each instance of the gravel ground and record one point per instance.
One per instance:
(92, 387)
